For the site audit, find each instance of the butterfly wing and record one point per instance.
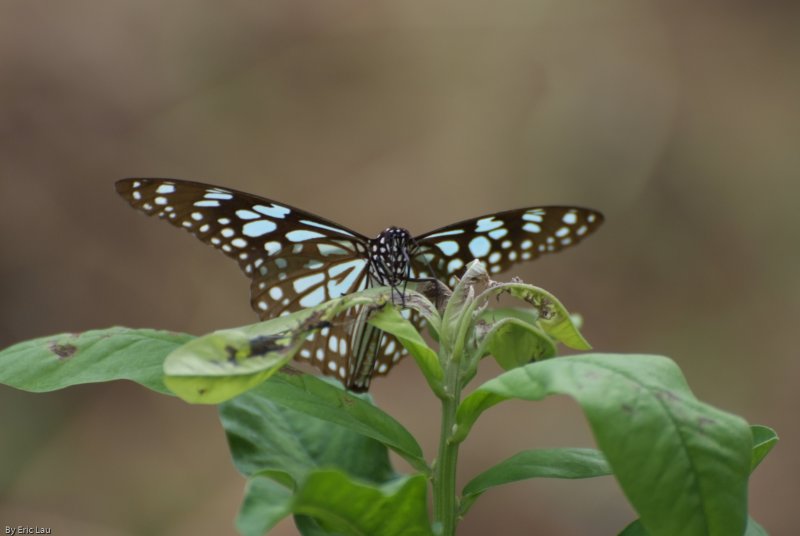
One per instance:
(501, 240)
(294, 259)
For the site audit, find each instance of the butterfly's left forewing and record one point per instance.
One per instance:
(294, 259)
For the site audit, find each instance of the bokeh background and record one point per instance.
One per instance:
(680, 120)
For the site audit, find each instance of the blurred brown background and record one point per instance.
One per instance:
(680, 120)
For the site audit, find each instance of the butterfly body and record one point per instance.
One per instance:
(295, 259)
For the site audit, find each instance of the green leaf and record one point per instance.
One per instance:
(553, 317)
(278, 447)
(343, 505)
(540, 463)
(764, 439)
(317, 398)
(651, 429)
(59, 361)
(391, 321)
(637, 529)
(265, 503)
(268, 438)
(514, 343)
(219, 366)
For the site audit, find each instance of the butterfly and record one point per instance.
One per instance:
(295, 259)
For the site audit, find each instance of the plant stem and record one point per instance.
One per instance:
(444, 478)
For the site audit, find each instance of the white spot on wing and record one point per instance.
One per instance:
(448, 247)
(258, 228)
(497, 234)
(570, 218)
(165, 189)
(303, 235)
(218, 195)
(304, 283)
(487, 224)
(314, 298)
(454, 265)
(272, 247)
(247, 215)
(479, 246)
(273, 211)
(446, 233)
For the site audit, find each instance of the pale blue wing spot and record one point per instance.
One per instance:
(326, 250)
(454, 265)
(506, 244)
(281, 263)
(533, 216)
(479, 246)
(272, 247)
(532, 228)
(227, 232)
(445, 233)
(206, 203)
(165, 188)
(160, 200)
(314, 298)
(338, 286)
(313, 264)
(254, 229)
(302, 236)
(239, 243)
(197, 216)
(340, 268)
(304, 283)
(448, 247)
(494, 257)
(497, 234)
(276, 293)
(487, 224)
(526, 244)
(328, 227)
(218, 195)
(273, 211)
(570, 218)
(333, 343)
(581, 230)
(562, 232)
(247, 214)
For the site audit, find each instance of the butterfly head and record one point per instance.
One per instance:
(389, 257)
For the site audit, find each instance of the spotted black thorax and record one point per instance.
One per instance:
(389, 259)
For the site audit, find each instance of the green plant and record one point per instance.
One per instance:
(312, 450)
